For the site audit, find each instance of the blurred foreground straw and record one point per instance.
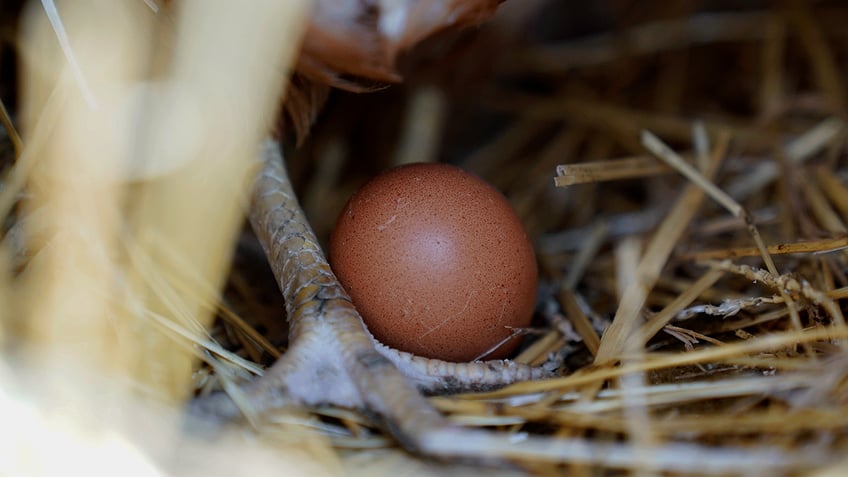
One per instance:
(140, 132)
(140, 176)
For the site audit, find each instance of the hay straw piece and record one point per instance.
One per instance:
(581, 322)
(609, 170)
(184, 279)
(797, 151)
(818, 246)
(834, 189)
(821, 210)
(726, 201)
(422, 127)
(566, 295)
(671, 457)
(786, 285)
(661, 150)
(55, 19)
(617, 337)
(11, 131)
(661, 319)
(665, 361)
(538, 351)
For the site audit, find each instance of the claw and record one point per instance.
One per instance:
(332, 358)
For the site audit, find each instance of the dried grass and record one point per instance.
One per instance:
(683, 174)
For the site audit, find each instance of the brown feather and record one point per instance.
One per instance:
(354, 44)
(304, 101)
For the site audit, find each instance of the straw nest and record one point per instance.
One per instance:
(681, 167)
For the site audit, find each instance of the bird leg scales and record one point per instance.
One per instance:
(332, 358)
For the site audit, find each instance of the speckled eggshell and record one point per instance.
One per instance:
(437, 262)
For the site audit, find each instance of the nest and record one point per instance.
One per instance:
(682, 172)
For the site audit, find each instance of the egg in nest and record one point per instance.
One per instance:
(437, 263)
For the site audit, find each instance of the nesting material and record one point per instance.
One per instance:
(681, 170)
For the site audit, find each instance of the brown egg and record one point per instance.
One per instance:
(437, 262)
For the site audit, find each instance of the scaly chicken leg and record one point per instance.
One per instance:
(332, 358)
